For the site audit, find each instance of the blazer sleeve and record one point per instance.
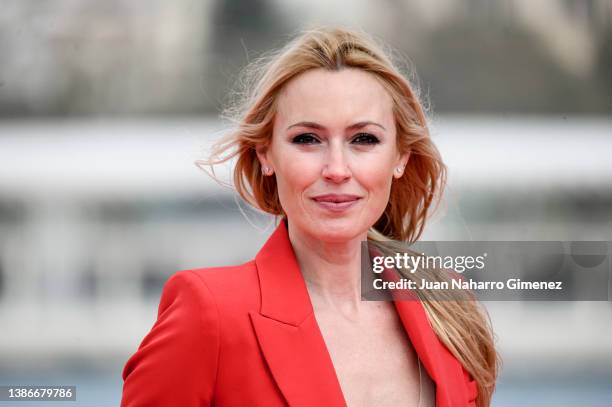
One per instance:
(176, 362)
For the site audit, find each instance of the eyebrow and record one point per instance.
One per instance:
(354, 126)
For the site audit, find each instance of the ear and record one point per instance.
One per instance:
(262, 155)
(401, 163)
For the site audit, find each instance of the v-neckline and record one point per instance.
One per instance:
(295, 350)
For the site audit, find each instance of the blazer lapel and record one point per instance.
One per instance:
(444, 369)
(294, 348)
(287, 331)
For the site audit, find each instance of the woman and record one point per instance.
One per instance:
(333, 140)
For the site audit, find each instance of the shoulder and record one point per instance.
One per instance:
(225, 286)
(181, 351)
(197, 311)
(222, 274)
(236, 278)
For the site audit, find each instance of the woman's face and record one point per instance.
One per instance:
(334, 134)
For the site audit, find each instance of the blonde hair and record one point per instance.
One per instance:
(461, 325)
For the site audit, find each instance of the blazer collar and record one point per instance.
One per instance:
(295, 350)
(284, 296)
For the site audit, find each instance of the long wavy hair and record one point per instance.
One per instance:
(461, 324)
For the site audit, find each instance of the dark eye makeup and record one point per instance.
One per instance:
(305, 138)
(366, 138)
(360, 138)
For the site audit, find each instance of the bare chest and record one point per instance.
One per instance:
(373, 358)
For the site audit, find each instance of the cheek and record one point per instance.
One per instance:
(376, 177)
(374, 170)
(294, 175)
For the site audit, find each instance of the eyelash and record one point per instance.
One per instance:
(373, 139)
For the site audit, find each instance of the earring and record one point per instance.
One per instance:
(266, 170)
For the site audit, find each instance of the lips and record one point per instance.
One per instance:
(336, 198)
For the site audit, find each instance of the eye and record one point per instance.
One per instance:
(366, 138)
(306, 138)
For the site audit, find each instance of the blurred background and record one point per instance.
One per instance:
(105, 106)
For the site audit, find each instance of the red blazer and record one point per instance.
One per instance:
(246, 335)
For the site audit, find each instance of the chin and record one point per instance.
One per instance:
(336, 230)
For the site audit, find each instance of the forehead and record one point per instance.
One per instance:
(335, 97)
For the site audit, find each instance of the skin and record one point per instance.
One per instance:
(333, 157)
(311, 161)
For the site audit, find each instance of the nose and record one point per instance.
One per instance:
(336, 167)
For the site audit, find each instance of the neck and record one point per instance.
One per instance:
(331, 270)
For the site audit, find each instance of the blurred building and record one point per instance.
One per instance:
(66, 57)
(95, 219)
